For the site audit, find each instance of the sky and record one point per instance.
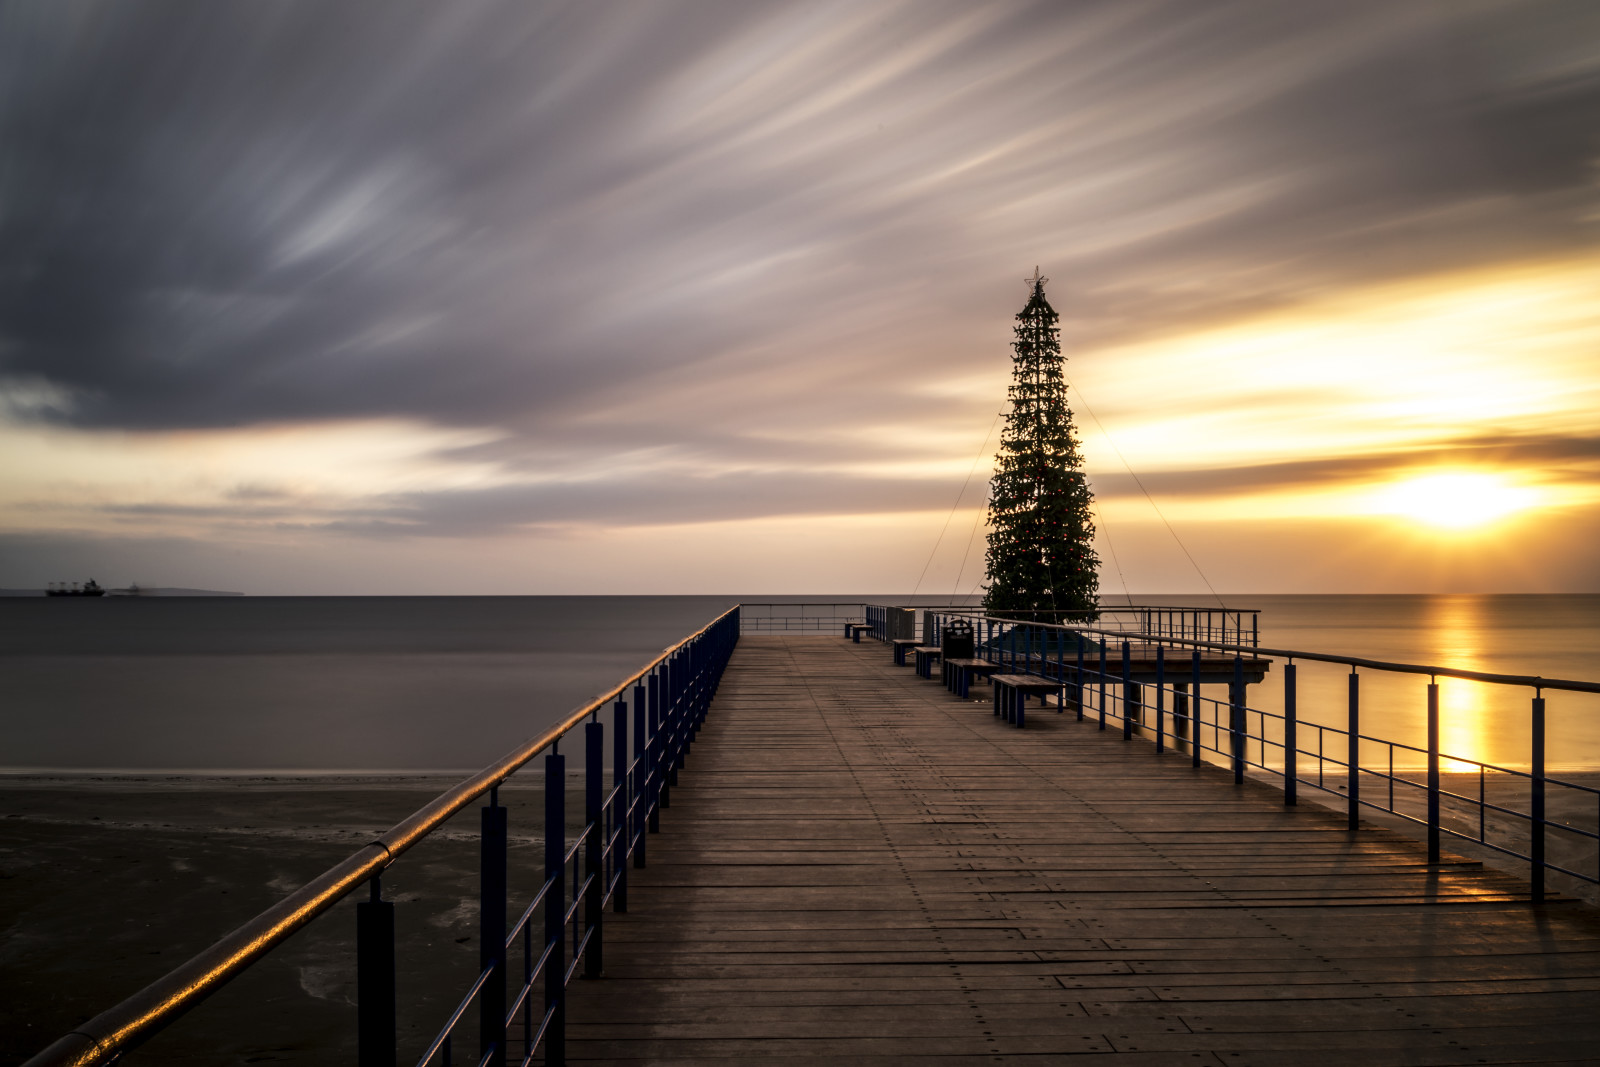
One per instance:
(661, 297)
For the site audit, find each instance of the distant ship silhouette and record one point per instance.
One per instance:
(89, 588)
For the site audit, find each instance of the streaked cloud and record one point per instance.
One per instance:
(376, 271)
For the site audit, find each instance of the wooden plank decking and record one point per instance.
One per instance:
(859, 868)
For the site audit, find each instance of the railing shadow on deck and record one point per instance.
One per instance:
(1105, 673)
(660, 707)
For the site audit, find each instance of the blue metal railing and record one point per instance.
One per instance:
(1097, 669)
(664, 703)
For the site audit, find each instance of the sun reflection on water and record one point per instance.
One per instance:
(1457, 628)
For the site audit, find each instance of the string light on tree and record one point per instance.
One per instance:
(1041, 558)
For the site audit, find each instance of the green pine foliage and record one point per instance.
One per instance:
(1041, 558)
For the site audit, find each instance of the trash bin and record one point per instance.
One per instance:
(955, 640)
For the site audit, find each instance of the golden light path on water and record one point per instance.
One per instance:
(1464, 712)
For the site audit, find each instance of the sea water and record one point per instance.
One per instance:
(263, 684)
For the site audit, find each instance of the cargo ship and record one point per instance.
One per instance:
(89, 588)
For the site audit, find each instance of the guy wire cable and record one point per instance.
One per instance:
(970, 471)
(1146, 493)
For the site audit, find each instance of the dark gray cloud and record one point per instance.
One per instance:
(735, 218)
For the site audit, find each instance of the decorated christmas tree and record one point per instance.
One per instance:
(1041, 558)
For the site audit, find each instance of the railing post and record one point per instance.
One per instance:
(653, 789)
(1238, 726)
(1433, 772)
(641, 774)
(1291, 742)
(1127, 692)
(1077, 688)
(1161, 699)
(1102, 685)
(594, 737)
(1195, 709)
(492, 933)
(1536, 783)
(621, 828)
(375, 1038)
(1353, 754)
(555, 909)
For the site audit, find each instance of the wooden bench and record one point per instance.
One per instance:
(1011, 694)
(925, 655)
(959, 672)
(901, 646)
(854, 630)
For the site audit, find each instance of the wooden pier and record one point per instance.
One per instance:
(858, 868)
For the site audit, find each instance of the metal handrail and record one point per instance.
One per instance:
(1258, 651)
(141, 1015)
(1231, 740)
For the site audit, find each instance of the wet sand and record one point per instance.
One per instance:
(107, 883)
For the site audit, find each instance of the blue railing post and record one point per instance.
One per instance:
(1536, 784)
(555, 909)
(621, 830)
(1237, 725)
(375, 1035)
(1353, 753)
(594, 747)
(1127, 691)
(1161, 698)
(653, 750)
(1102, 685)
(1077, 688)
(492, 933)
(1195, 711)
(1291, 742)
(1433, 772)
(641, 772)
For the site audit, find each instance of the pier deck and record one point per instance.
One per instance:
(858, 868)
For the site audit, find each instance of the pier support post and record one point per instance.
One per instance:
(375, 979)
(492, 933)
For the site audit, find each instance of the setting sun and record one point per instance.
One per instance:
(1456, 501)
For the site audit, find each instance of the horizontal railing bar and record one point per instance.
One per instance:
(126, 1024)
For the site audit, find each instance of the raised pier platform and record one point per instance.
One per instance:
(858, 868)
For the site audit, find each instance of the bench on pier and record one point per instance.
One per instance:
(1011, 694)
(960, 670)
(902, 645)
(854, 630)
(925, 655)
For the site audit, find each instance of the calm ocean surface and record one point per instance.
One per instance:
(445, 683)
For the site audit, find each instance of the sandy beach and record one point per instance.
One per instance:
(107, 882)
